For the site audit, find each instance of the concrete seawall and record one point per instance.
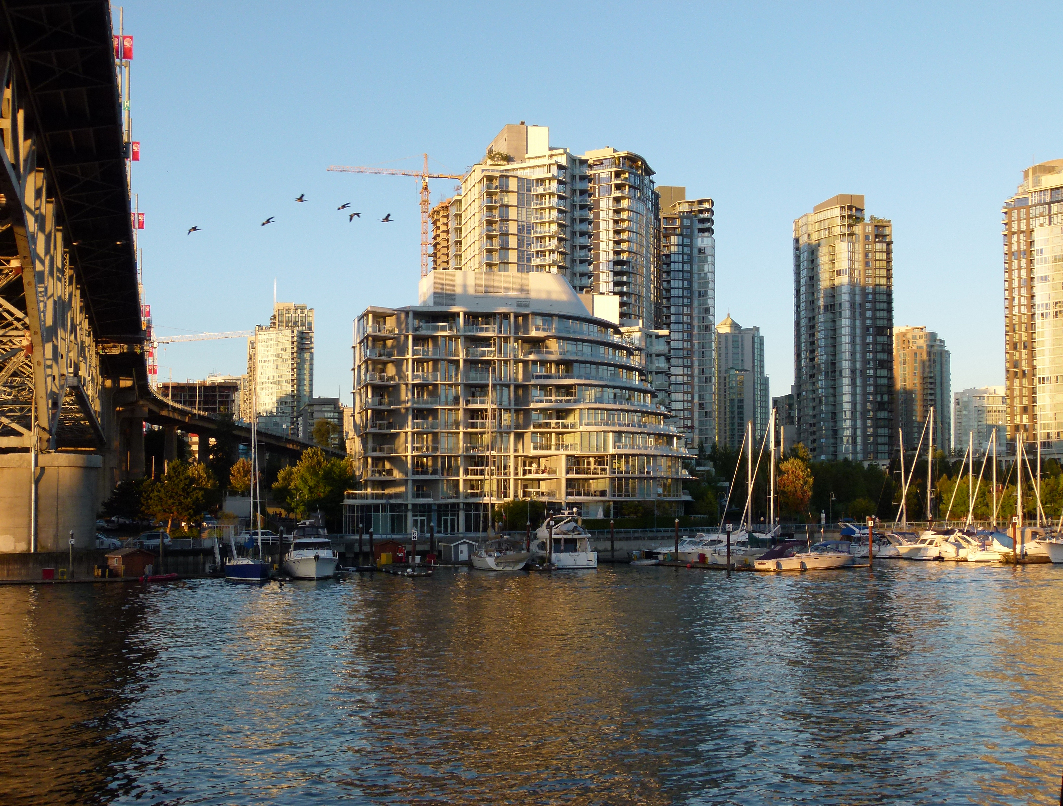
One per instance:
(27, 567)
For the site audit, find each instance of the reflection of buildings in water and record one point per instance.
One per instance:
(511, 684)
(1021, 685)
(69, 656)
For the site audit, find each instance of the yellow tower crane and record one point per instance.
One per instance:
(426, 233)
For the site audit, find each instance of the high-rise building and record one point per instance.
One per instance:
(280, 369)
(216, 394)
(688, 311)
(1033, 335)
(923, 379)
(979, 411)
(843, 331)
(491, 391)
(322, 408)
(786, 421)
(741, 387)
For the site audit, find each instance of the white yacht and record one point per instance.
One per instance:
(885, 549)
(993, 547)
(1054, 548)
(311, 555)
(571, 547)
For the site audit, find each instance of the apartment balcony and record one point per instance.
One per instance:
(426, 425)
(380, 377)
(426, 352)
(553, 401)
(477, 472)
(540, 495)
(492, 329)
(475, 401)
(376, 352)
(382, 450)
(424, 377)
(380, 473)
(477, 377)
(432, 327)
(480, 352)
(424, 402)
(537, 472)
(477, 425)
(386, 426)
(555, 425)
(380, 403)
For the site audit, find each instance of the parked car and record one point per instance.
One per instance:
(150, 540)
(107, 543)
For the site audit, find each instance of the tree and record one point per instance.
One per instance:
(861, 509)
(240, 477)
(516, 513)
(315, 483)
(204, 481)
(175, 496)
(125, 500)
(795, 487)
(326, 433)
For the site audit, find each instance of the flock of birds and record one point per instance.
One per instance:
(302, 198)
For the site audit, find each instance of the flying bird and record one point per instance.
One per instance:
(352, 216)
(387, 219)
(302, 197)
(193, 229)
(267, 221)
(344, 206)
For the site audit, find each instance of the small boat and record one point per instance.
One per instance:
(884, 549)
(641, 559)
(571, 547)
(825, 555)
(932, 546)
(245, 569)
(500, 555)
(1054, 549)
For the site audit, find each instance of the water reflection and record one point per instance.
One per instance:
(919, 683)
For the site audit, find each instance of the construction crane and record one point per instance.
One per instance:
(426, 235)
(235, 334)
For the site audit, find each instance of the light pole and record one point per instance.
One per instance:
(830, 509)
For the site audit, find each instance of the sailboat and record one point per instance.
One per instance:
(247, 569)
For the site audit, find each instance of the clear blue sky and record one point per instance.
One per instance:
(931, 111)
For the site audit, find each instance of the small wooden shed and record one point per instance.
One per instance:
(129, 562)
(460, 551)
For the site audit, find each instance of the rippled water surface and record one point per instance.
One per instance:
(922, 683)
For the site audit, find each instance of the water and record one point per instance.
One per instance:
(927, 683)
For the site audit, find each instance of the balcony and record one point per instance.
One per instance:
(480, 352)
(477, 425)
(476, 401)
(477, 377)
(426, 425)
(381, 425)
(375, 352)
(382, 450)
(424, 377)
(380, 377)
(555, 425)
(424, 402)
(380, 473)
(480, 329)
(432, 327)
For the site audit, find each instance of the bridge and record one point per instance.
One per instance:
(74, 389)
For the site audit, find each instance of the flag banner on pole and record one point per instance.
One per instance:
(117, 54)
(140, 221)
(127, 48)
(134, 151)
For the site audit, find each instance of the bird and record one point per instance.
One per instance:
(193, 229)
(387, 219)
(352, 216)
(344, 206)
(267, 221)
(302, 197)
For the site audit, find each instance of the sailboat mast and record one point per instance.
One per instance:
(970, 478)
(930, 470)
(749, 477)
(1038, 479)
(771, 483)
(993, 439)
(904, 484)
(1018, 461)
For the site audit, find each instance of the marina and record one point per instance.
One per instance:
(402, 688)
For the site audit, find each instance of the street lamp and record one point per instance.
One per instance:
(830, 509)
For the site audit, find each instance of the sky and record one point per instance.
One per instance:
(929, 110)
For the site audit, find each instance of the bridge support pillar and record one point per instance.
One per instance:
(169, 444)
(203, 449)
(67, 499)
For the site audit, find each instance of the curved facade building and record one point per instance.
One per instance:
(500, 386)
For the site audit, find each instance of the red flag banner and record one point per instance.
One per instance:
(127, 47)
(140, 221)
(117, 55)
(134, 151)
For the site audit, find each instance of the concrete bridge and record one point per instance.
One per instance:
(74, 391)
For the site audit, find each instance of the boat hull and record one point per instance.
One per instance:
(247, 571)
(311, 567)
(804, 562)
(501, 562)
(575, 560)
(1055, 550)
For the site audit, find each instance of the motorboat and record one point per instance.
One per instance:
(644, 558)
(500, 555)
(851, 530)
(821, 556)
(1054, 548)
(885, 549)
(571, 543)
(992, 547)
(311, 558)
(696, 549)
(933, 545)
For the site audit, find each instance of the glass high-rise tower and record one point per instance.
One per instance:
(843, 331)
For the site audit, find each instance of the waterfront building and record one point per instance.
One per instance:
(280, 369)
(322, 408)
(843, 331)
(500, 386)
(348, 429)
(980, 411)
(1033, 335)
(741, 385)
(923, 377)
(652, 352)
(688, 311)
(218, 395)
